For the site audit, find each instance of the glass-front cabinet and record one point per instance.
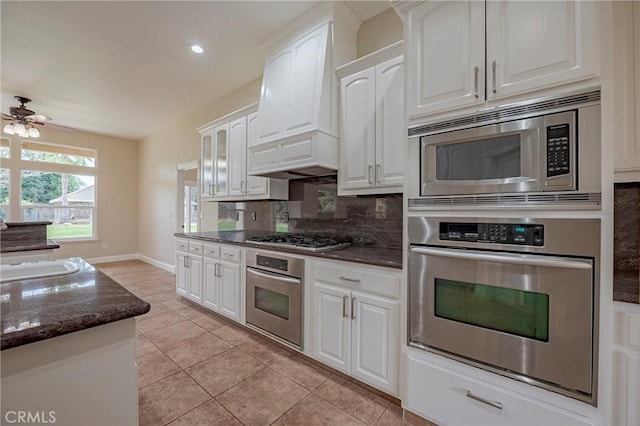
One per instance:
(221, 161)
(206, 172)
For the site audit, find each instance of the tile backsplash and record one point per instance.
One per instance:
(315, 208)
(626, 243)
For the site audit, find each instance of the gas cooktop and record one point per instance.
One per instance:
(297, 241)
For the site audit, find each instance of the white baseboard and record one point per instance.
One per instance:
(117, 258)
(155, 262)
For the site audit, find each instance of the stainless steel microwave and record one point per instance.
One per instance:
(539, 151)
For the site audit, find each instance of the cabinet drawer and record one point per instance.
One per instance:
(374, 280)
(230, 254)
(449, 398)
(182, 245)
(211, 251)
(195, 248)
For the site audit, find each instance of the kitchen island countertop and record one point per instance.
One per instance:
(371, 255)
(37, 309)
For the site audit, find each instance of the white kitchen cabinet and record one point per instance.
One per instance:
(626, 89)
(356, 331)
(530, 46)
(372, 127)
(222, 280)
(626, 364)
(189, 270)
(446, 396)
(224, 161)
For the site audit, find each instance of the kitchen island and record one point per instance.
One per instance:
(68, 348)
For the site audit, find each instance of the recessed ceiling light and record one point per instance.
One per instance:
(197, 48)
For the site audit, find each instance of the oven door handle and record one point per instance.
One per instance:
(504, 258)
(273, 276)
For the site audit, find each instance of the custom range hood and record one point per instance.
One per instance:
(298, 112)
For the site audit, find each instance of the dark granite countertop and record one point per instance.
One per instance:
(42, 308)
(370, 255)
(12, 224)
(626, 286)
(14, 246)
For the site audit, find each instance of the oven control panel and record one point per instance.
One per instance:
(501, 233)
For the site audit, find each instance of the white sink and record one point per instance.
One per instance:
(28, 270)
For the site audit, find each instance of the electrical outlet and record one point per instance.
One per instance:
(254, 216)
(105, 246)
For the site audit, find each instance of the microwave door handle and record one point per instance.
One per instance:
(503, 258)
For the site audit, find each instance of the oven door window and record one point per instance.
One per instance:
(522, 313)
(485, 159)
(274, 303)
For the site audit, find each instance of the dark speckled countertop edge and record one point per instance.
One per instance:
(17, 246)
(79, 310)
(369, 255)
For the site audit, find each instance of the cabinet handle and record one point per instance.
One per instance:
(211, 189)
(216, 270)
(344, 306)
(370, 172)
(243, 187)
(494, 404)
(184, 262)
(351, 280)
(378, 173)
(476, 71)
(353, 308)
(493, 75)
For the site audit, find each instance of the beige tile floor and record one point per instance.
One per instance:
(197, 368)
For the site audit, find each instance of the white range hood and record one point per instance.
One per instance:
(298, 113)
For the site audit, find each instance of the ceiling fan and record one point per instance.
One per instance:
(23, 120)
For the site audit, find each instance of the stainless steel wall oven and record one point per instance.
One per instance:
(514, 296)
(274, 295)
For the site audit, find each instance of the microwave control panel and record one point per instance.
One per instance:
(501, 233)
(558, 150)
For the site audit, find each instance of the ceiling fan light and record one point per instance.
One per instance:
(33, 132)
(20, 129)
(9, 129)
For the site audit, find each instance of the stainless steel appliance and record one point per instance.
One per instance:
(547, 145)
(297, 241)
(274, 295)
(514, 296)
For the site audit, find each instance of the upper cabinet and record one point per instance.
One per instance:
(372, 126)
(224, 161)
(465, 53)
(297, 131)
(626, 87)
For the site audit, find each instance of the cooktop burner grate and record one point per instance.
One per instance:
(298, 241)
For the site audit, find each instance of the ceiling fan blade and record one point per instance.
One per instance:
(6, 116)
(57, 126)
(38, 118)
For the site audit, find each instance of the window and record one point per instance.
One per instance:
(4, 148)
(55, 183)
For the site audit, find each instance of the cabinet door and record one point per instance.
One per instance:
(229, 281)
(390, 125)
(255, 185)
(332, 326)
(220, 161)
(181, 274)
(195, 278)
(358, 131)
(237, 165)
(206, 179)
(210, 285)
(374, 341)
(534, 45)
(446, 67)
(274, 93)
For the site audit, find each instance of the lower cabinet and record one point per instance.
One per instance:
(626, 364)
(448, 397)
(189, 270)
(221, 280)
(212, 279)
(357, 332)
